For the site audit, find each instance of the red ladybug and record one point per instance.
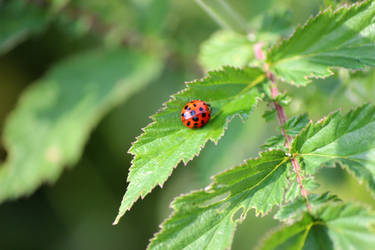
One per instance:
(195, 114)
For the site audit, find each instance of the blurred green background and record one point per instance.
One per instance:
(76, 212)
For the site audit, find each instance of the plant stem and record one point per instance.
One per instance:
(281, 117)
(224, 15)
(288, 140)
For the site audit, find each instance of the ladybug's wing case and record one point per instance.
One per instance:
(195, 114)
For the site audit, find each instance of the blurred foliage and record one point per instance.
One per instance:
(77, 211)
(18, 21)
(76, 94)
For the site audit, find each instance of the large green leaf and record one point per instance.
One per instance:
(19, 19)
(166, 141)
(333, 226)
(348, 138)
(54, 117)
(226, 48)
(207, 219)
(342, 38)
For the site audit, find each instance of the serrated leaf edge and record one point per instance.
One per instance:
(210, 187)
(299, 28)
(172, 98)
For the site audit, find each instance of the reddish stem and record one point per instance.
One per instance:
(281, 117)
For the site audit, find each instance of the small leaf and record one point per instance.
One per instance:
(274, 142)
(333, 226)
(294, 189)
(206, 219)
(226, 48)
(166, 141)
(19, 19)
(292, 126)
(297, 207)
(342, 38)
(269, 115)
(54, 117)
(349, 139)
(283, 99)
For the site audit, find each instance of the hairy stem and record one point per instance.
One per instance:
(288, 140)
(224, 15)
(281, 117)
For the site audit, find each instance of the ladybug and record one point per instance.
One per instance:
(195, 114)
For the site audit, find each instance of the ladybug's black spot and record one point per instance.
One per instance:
(195, 124)
(203, 115)
(195, 119)
(202, 122)
(200, 109)
(189, 109)
(194, 105)
(186, 106)
(188, 123)
(182, 114)
(192, 112)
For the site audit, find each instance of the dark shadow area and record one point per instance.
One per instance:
(3, 154)
(318, 239)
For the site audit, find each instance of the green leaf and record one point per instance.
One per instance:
(297, 207)
(54, 117)
(207, 219)
(333, 226)
(294, 189)
(349, 139)
(277, 141)
(269, 115)
(292, 127)
(226, 48)
(342, 38)
(18, 21)
(166, 141)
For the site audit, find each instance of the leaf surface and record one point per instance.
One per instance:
(207, 219)
(54, 117)
(166, 141)
(349, 139)
(333, 226)
(341, 38)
